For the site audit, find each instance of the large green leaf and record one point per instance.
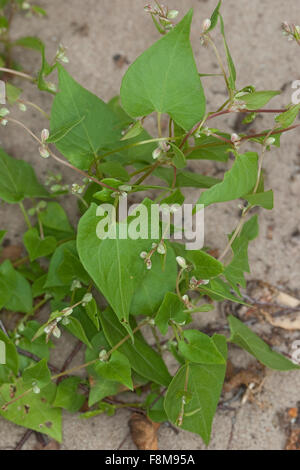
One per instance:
(246, 339)
(18, 180)
(199, 348)
(97, 125)
(200, 387)
(33, 411)
(143, 359)
(15, 290)
(165, 79)
(238, 181)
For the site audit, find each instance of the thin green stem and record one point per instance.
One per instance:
(23, 210)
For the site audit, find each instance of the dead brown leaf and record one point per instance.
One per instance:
(143, 432)
(243, 377)
(52, 445)
(293, 442)
(11, 252)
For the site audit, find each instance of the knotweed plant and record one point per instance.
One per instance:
(112, 277)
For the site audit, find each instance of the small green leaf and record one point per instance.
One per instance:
(200, 387)
(76, 329)
(258, 99)
(165, 79)
(55, 221)
(117, 369)
(18, 180)
(143, 359)
(214, 17)
(200, 348)
(287, 118)
(36, 246)
(231, 66)
(67, 396)
(246, 339)
(238, 181)
(92, 312)
(205, 265)
(135, 130)
(37, 374)
(12, 93)
(265, 200)
(170, 309)
(179, 159)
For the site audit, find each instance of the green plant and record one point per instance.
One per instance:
(105, 290)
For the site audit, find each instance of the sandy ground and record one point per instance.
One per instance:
(95, 31)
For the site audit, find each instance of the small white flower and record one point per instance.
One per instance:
(4, 122)
(206, 131)
(164, 146)
(151, 322)
(65, 321)
(172, 14)
(25, 6)
(206, 25)
(51, 87)
(185, 298)
(143, 254)
(181, 261)
(77, 189)
(44, 152)
(36, 389)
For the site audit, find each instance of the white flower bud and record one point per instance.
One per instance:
(87, 298)
(44, 152)
(36, 389)
(103, 355)
(161, 249)
(56, 332)
(185, 298)
(22, 107)
(143, 254)
(126, 188)
(156, 153)
(44, 135)
(4, 122)
(270, 141)
(181, 261)
(48, 329)
(172, 14)
(65, 321)
(25, 6)
(75, 285)
(206, 25)
(148, 263)
(235, 138)
(51, 87)
(67, 311)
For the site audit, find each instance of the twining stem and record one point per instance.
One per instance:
(63, 162)
(35, 106)
(108, 354)
(215, 49)
(234, 236)
(23, 210)
(16, 72)
(222, 113)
